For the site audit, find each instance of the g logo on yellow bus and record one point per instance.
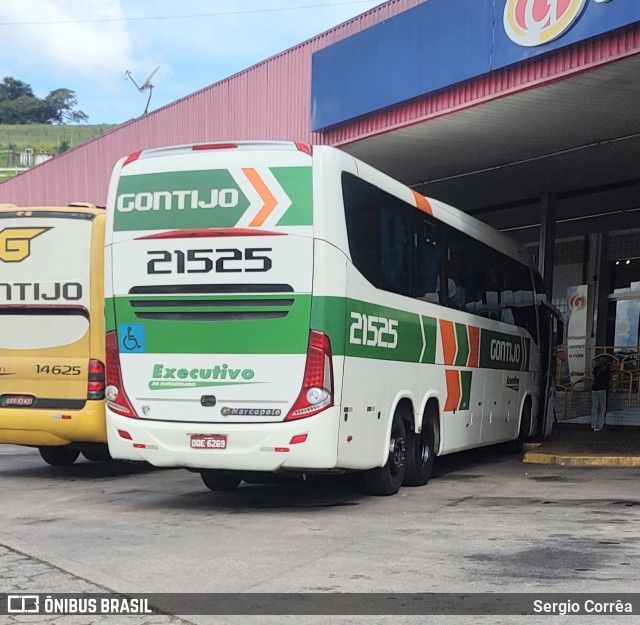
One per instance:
(536, 22)
(15, 243)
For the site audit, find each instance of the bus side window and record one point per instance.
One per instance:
(517, 298)
(488, 289)
(465, 258)
(363, 227)
(378, 233)
(427, 262)
(395, 248)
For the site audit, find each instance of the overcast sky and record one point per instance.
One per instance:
(87, 45)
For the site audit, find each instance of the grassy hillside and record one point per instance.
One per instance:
(43, 138)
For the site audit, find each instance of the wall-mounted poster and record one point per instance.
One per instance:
(627, 316)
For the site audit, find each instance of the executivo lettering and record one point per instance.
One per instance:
(218, 375)
(178, 200)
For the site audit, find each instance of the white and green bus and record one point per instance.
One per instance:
(277, 307)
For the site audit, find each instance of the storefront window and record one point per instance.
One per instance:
(624, 305)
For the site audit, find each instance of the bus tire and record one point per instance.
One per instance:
(62, 456)
(515, 447)
(220, 480)
(97, 453)
(387, 480)
(421, 454)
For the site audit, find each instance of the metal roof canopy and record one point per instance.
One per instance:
(578, 137)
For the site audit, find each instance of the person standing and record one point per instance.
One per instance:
(599, 390)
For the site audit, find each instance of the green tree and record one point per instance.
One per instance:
(11, 88)
(59, 107)
(19, 105)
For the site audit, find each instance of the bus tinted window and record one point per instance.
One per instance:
(427, 239)
(517, 299)
(395, 247)
(400, 249)
(379, 236)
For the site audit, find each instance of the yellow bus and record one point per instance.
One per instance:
(52, 374)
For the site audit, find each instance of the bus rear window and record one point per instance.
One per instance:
(33, 329)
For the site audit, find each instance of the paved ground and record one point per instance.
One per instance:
(485, 523)
(20, 573)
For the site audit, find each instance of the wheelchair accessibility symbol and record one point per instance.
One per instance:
(131, 337)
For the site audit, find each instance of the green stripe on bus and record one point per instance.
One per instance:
(499, 350)
(390, 334)
(465, 383)
(328, 315)
(430, 327)
(179, 199)
(462, 339)
(381, 332)
(208, 198)
(221, 333)
(296, 182)
(356, 328)
(109, 315)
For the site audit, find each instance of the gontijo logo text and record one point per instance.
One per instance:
(15, 243)
(536, 22)
(220, 198)
(179, 200)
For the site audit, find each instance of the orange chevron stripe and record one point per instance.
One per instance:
(453, 390)
(474, 346)
(449, 345)
(422, 203)
(266, 196)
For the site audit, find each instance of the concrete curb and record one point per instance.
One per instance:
(580, 460)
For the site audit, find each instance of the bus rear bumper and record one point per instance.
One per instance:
(51, 428)
(249, 446)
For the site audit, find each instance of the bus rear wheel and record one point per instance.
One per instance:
(97, 453)
(420, 454)
(387, 480)
(220, 480)
(62, 456)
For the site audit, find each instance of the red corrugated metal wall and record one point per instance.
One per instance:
(271, 100)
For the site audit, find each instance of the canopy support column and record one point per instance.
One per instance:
(546, 256)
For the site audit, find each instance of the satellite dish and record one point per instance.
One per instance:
(147, 83)
(145, 86)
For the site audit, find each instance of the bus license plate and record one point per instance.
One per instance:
(208, 441)
(16, 400)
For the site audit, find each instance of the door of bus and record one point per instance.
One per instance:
(551, 336)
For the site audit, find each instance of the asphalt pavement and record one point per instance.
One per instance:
(485, 523)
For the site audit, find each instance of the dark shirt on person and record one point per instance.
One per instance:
(600, 377)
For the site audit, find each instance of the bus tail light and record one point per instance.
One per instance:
(316, 394)
(304, 147)
(96, 384)
(214, 146)
(117, 399)
(134, 156)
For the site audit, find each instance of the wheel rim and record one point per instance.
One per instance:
(397, 453)
(425, 451)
